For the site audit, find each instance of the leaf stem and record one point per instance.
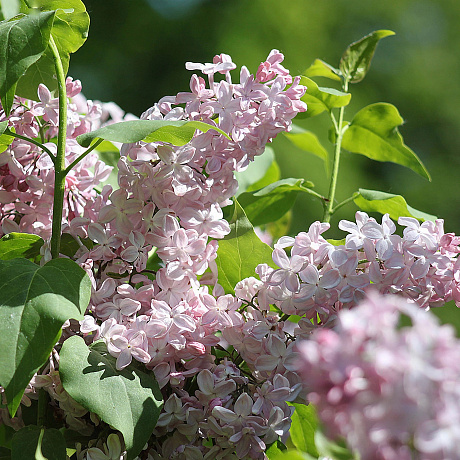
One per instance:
(83, 155)
(344, 202)
(329, 210)
(59, 165)
(32, 141)
(42, 406)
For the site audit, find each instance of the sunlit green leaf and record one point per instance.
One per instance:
(240, 252)
(34, 304)
(22, 42)
(174, 132)
(303, 428)
(394, 205)
(308, 141)
(255, 171)
(36, 443)
(273, 201)
(9, 8)
(320, 68)
(374, 133)
(356, 59)
(70, 30)
(319, 99)
(14, 245)
(275, 450)
(335, 450)
(129, 400)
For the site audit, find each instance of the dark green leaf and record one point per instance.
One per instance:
(35, 302)
(22, 43)
(128, 400)
(320, 68)
(174, 132)
(70, 30)
(69, 245)
(240, 252)
(395, 205)
(308, 141)
(374, 133)
(5, 454)
(255, 171)
(34, 443)
(356, 59)
(319, 99)
(14, 245)
(6, 435)
(272, 202)
(303, 428)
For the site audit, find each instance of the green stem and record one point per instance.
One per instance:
(344, 202)
(335, 169)
(59, 171)
(83, 155)
(42, 406)
(32, 141)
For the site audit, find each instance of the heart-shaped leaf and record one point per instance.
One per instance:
(240, 252)
(356, 59)
(394, 205)
(128, 400)
(374, 133)
(35, 303)
(22, 43)
(174, 132)
(303, 428)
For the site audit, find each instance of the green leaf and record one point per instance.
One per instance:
(374, 133)
(356, 59)
(319, 99)
(240, 252)
(308, 141)
(273, 201)
(275, 450)
(22, 43)
(174, 132)
(10, 8)
(395, 205)
(3, 126)
(14, 245)
(70, 30)
(336, 450)
(34, 443)
(320, 68)
(255, 171)
(5, 454)
(273, 174)
(303, 428)
(292, 455)
(35, 303)
(6, 435)
(128, 400)
(69, 245)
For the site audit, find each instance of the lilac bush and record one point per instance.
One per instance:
(166, 328)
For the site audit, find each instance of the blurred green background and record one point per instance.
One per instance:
(136, 52)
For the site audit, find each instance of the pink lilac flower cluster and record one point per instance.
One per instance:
(173, 316)
(317, 279)
(393, 392)
(27, 172)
